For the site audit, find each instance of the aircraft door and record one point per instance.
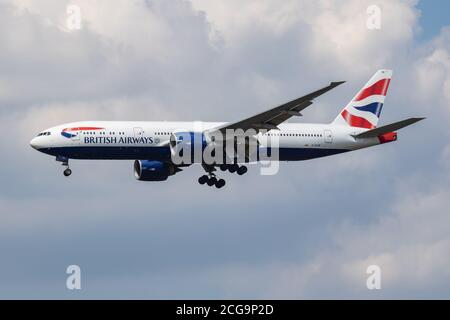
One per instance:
(328, 136)
(138, 132)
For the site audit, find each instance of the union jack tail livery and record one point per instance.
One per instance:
(365, 108)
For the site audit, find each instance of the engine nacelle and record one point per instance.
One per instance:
(147, 170)
(186, 147)
(183, 144)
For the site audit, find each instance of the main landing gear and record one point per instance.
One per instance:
(240, 170)
(65, 162)
(210, 178)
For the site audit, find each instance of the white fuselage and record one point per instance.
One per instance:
(148, 140)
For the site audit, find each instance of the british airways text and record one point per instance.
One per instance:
(117, 140)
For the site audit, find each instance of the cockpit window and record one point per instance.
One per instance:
(47, 133)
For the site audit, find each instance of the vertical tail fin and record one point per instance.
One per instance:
(365, 108)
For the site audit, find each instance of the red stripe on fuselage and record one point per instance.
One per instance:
(378, 88)
(83, 129)
(355, 121)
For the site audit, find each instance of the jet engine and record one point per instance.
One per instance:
(147, 170)
(184, 144)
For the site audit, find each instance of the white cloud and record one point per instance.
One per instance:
(333, 33)
(432, 74)
(409, 242)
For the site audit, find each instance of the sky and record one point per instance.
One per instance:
(309, 232)
(434, 16)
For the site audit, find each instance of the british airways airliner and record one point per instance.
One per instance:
(152, 145)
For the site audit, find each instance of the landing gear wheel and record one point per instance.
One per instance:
(211, 181)
(233, 168)
(223, 167)
(220, 183)
(203, 179)
(67, 172)
(242, 170)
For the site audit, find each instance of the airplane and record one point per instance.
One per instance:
(152, 144)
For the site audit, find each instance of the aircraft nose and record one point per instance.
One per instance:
(34, 143)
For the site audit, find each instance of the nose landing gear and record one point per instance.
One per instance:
(67, 172)
(65, 162)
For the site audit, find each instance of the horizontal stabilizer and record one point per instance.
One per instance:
(388, 128)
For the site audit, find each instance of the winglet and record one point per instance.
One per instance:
(337, 83)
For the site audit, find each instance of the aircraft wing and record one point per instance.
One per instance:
(270, 119)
